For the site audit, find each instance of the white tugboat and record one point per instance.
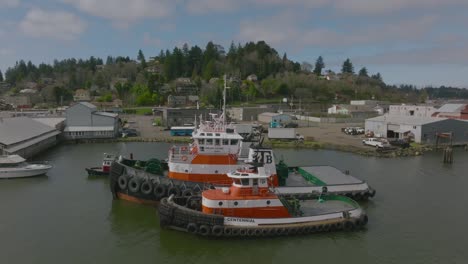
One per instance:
(14, 166)
(252, 208)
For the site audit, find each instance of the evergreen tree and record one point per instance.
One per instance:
(141, 58)
(347, 67)
(377, 77)
(363, 72)
(319, 65)
(1, 76)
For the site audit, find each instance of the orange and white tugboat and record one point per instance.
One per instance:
(250, 207)
(104, 169)
(216, 150)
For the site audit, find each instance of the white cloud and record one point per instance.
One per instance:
(52, 24)
(9, 3)
(124, 12)
(446, 55)
(286, 30)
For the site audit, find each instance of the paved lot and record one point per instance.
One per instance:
(331, 133)
(325, 133)
(144, 125)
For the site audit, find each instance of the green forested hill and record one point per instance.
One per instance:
(149, 80)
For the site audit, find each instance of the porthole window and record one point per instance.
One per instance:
(220, 203)
(236, 203)
(268, 202)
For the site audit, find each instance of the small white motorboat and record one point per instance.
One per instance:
(14, 166)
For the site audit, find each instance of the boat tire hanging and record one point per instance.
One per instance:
(146, 188)
(159, 191)
(187, 192)
(123, 182)
(134, 185)
(192, 228)
(217, 230)
(204, 230)
(173, 190)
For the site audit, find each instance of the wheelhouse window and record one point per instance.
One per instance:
(209, 141)
(225, 142)
(245, 182)
(201, 141)
(234, 142)
(217, 142)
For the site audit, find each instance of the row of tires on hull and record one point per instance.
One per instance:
(230, 231)
(154, 189)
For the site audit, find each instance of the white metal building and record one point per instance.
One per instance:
(269, 117)
(420, 129)
(85, 122)
(412, 110)
(25, 136)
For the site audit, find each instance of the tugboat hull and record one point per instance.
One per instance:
(137, 184)
(96, 171)
(174, 215)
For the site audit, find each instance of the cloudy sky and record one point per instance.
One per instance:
(423, 42)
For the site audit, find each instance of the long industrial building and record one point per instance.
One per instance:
(25, 136)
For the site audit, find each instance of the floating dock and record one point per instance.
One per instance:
(317, 179)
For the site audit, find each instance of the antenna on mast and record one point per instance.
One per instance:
(224, 99)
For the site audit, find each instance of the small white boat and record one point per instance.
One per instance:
(14, 166)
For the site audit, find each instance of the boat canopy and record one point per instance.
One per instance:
(11, 159)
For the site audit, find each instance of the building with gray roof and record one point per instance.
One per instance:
(84, 121)
(420, 129)
(25, 136)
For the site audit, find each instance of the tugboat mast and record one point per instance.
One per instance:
(224, 100)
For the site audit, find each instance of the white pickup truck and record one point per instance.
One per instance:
(376, 142)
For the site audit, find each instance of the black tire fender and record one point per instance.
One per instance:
(159, 191)
(173, 190)
(192, 228)
(122, 182)
(146, 187)
(134, 185)
(204, 230)
(217, 230)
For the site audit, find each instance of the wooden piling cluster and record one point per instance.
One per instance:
(448, 155)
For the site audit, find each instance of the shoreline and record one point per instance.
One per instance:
(363, 151)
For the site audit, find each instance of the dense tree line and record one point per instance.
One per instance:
(140, 81)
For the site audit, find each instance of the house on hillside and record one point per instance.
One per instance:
(252, 78)
(84, 121)
(82, 95)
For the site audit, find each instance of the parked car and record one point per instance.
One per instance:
(129, 132)
(375, 142)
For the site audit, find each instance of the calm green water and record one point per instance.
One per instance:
(419, 215)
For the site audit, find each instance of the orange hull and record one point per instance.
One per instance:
(215, 159)
(129, 198)
(257, 212)
(205, 178)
